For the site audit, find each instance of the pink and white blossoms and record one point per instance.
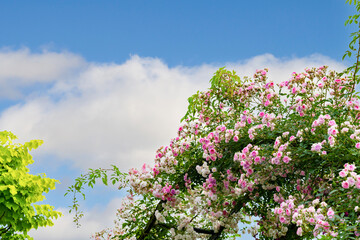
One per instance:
(280, 152)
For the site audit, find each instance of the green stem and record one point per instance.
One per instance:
(356, 67)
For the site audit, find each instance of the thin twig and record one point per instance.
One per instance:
(356, 67)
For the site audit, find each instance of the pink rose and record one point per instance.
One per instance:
(343, 174)
(299, 231)
(351, 167)
(345, 184)
(332, 123)
(286, 159)
(330, 213)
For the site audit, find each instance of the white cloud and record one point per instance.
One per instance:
(94, 220)
(121, 113)
(21, 68)
(109, 114)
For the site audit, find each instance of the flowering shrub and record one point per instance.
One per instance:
(285, 153)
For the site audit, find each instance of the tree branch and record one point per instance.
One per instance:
(151, 221)
(198, 230)
(5, 230)
(217, 234)
(204, 231)
(214, 235)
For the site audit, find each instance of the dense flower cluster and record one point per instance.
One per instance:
(285, 153)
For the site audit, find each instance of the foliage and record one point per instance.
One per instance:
(19, 190)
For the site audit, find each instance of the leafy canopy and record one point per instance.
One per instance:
(21, 191)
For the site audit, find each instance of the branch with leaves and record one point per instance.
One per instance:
(353, 19)
(89, 179)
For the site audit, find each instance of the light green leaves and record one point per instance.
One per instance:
(89, 179)
(19, 190)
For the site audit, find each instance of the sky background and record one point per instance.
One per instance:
(107, 82)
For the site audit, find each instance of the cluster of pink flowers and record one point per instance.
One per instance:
(315, 218)
(210, 188)
(247, 157)
(138, 179)
(352, 178)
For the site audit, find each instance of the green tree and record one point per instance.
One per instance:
(20, 190)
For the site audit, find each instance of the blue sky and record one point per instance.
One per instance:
(179, 32)
(106, 82)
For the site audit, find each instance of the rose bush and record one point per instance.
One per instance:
(284, 153)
